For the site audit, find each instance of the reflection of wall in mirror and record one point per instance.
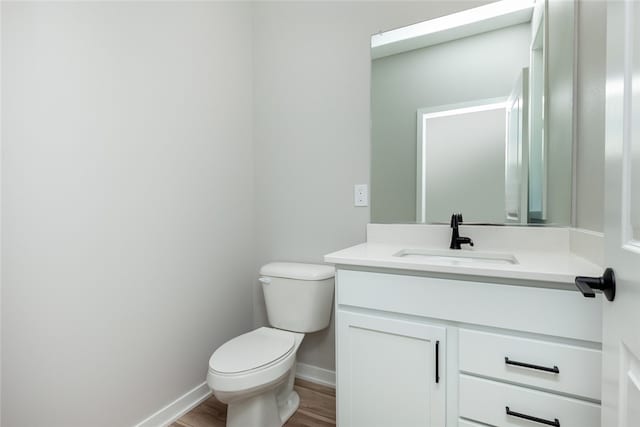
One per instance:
(590, 116)
(478, 67)
(559, 112)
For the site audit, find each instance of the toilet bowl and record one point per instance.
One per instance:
(254, 372)
(254, 375)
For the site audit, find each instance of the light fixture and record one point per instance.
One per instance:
(461, 24)
(466, 110)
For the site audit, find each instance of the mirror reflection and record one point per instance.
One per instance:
(472, 113)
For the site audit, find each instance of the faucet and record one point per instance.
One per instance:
(456, 240)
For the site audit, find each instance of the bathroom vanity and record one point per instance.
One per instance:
(497, 335)
(431, 331)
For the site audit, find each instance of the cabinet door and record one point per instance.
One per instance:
(389, 372)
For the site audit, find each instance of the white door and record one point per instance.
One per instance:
(621, 320)
(392, 372)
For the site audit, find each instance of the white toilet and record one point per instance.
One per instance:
(254, 373)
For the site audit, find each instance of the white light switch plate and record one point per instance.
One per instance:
(361, 195)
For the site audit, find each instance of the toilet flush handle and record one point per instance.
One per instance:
(264, 280)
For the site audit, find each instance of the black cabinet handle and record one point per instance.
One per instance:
(554, 370)
(606, 283)
(437, 362)
(555, 422)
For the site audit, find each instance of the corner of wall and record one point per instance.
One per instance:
(1, 221)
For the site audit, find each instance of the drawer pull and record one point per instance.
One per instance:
(555, 422)
(553, 370)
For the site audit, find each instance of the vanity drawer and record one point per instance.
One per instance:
(578, 368)
(486, 401)
(553, 312)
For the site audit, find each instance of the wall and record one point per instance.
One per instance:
(311, 127)
(560, 22)
(479, 67)
(590, 117)
(1, 8)
(127, 178)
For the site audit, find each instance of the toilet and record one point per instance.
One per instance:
(254, 372)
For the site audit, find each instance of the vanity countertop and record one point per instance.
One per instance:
(536, 261)
(559, 267)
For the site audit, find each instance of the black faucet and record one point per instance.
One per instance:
(456, 240)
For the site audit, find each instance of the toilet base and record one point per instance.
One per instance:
(262, 410)
(265, 408)
(289, 407)
(259, 410)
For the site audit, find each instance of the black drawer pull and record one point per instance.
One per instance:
(553, 370)
(555, 422)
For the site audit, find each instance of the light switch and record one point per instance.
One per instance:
(361, 195)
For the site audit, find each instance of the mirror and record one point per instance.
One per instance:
(473, 112)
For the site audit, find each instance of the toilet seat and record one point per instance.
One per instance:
(255, 359)
(251, 351)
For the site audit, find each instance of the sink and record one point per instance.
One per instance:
(456, 257)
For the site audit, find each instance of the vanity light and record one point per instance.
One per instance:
(478, 20)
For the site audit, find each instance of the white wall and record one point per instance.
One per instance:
(127, 177)
(311, 125)
(560, 23)
(1, 7)
(590, 117)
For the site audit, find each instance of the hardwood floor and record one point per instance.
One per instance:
(317, 409)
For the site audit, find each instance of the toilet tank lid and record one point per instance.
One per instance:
(295, 270)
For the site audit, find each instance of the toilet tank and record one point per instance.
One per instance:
(298, 296)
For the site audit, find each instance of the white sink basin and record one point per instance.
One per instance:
(456, 257)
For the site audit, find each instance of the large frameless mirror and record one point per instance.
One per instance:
(472, 113)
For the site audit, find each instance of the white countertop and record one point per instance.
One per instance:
(553, 263)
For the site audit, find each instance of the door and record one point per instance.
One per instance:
(621, 317)
(393, 372)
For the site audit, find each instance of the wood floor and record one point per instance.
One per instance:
(317, 409)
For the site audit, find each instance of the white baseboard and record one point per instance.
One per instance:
(178, 407)
(316, 375)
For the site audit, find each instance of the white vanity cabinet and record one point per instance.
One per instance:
(416, 351)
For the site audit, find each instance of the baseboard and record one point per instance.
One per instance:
(316, 375)
(178, 407)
